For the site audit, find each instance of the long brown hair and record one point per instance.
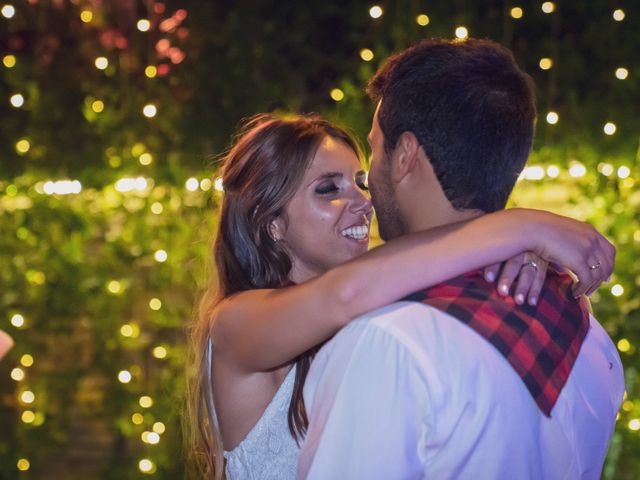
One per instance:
(260, 175)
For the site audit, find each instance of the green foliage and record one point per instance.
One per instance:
(61, 254)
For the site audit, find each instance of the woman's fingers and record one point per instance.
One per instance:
(491, 272)
(510, 272)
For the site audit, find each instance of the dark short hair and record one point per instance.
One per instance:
(470, 107)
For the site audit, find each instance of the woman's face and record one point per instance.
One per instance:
(330, 213)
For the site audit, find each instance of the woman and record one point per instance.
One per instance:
(295, 215)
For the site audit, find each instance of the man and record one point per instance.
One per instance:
(457, 382)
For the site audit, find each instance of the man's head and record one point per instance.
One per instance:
(458, 112)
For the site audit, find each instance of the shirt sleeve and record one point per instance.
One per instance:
(369, 409)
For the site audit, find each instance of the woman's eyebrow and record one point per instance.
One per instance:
(327, 176)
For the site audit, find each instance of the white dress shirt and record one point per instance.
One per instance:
(408, 392)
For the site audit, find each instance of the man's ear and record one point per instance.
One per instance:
(404, 158)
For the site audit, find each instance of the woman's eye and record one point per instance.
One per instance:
(325, 189)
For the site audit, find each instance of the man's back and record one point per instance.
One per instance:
(410, 392)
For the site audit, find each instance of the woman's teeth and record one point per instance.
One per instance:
(357, 233)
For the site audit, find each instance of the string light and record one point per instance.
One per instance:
(151, 71)
(624, 345)
(124, 376)
(159, 428)
(8, 11)
(97, 106)
(618, 15)
(617, 290)
(375, 11)
(548, 7)
(160, 352)
(337, 94)
(145, 401)
(62, 187)
(17, 320)
(423, 20)
(577, 170)
(27, 397)
(101, 63)
(609, 128)
(634, 424)
(145, 159)
(366, 54)
(129, 184)
(546, 63)
(23, 464)
(26, 360)
(516, 12)
(605, 169)
(623, 172)
(156, 208)
(22, 146)
(28, 416)
(146, 466)
(218, 185)
(86, 16)
(17, 374)
(16, 100)
(205, 184)
(150, 437)
(9, 61)
(462, 32)
(622, 73)
(552, 118)
(553, 171)
(192, 184)
(160, 256)
(155, 304)
(137, 419)
(143, 25)
(149, 110)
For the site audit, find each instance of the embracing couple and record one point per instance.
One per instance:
(449, 352)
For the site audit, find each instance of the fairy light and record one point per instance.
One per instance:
(605, 169)
(624, 345)
(86, 16)
(533, 172)
(337, 95)
(617, 290)
(622, 73)
(516, 12)
(145, 159)
(27, 397)
(545, 63)
(618, 15)
(23, 464)
(609, 128)
(137, 419)
(462, 32)
(128, 184)
(553, 171)
(160, 352)
(97, 106)
(143, 25)
(156, 208)
(101, 63)
(192, 184)
(126, 330)
(146, 466)
(159, 428)
(577, 170)
(9, 61)
(26, 360)
(151, 71)
(114, 286)
(17, 374)
(548, 7)
(145, 401)
(218, 184)
(8, 11)
(28, 416)
(22, 146)
(62, 187)
(17, 320)
(155, 304)
(160, 256)
(366, 54)
(16, 100)
(634, 424)
(623, 172)
(150, 437)
(552, 118)
(206, 184)
(124, 376)
(375, 11)
(423, 20)
(149, 110)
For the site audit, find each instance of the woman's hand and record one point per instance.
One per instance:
(530, 271)
(575, 245)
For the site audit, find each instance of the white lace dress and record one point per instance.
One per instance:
(268, 452)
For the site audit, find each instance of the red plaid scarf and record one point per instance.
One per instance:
(540, 342)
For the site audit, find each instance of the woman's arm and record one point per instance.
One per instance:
(258, 330)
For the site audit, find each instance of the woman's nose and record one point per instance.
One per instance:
(361, 202)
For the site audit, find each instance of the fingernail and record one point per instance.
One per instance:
(519, 299)
(533, 301)
(503, 289)
(490, 276)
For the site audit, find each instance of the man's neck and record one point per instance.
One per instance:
(444, 216)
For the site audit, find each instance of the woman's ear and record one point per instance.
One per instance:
(277, 229)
